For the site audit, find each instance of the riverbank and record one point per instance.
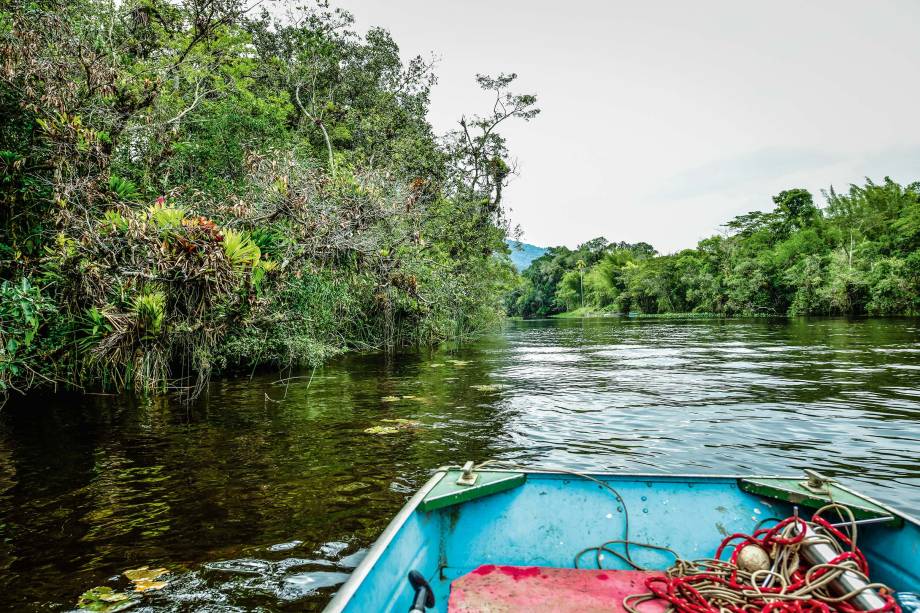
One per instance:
(590, 312)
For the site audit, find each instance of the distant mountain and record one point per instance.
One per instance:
(522, 254)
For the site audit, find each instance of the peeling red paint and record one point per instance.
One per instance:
(515, 588)
(519, 572)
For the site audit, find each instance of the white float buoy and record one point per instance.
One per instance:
(752, 558)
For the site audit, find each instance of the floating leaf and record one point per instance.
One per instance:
(145, 573)
(105, 599)
(142, 585)
(436, 365)
(390, 399)
(145, 578)
(487, 388)
(382, 430)
(105, 594)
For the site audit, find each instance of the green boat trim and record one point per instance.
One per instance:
(447, 492)
(794, 490)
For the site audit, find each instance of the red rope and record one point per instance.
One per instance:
(682, 593)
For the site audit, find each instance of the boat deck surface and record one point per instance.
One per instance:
(500, 589)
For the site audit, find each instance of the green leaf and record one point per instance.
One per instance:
(105, 600)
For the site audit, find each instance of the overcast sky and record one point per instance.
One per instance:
(662, 120)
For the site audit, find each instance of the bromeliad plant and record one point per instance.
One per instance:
(158, 286)
(242, 253)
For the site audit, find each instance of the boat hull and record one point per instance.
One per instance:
(549, 517)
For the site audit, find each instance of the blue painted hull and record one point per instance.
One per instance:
(552, 516)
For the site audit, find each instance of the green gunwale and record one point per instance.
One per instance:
(447, 493)
(791, 490)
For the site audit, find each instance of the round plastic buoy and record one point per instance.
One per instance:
(753, 558)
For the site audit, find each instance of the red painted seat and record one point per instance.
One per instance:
(500, 589)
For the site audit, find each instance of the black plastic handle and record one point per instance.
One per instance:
(424, 595)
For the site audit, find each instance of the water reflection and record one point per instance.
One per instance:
(264, 494)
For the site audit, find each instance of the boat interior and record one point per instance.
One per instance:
(516, 536)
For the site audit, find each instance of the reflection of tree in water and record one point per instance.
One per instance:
(52, 449)
(8, 479)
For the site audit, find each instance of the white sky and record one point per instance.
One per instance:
(662, 120)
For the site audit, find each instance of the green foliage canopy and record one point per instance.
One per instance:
(858, 255)
(189, 186)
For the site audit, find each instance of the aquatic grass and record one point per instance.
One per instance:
(398, 425)
(489, 387)
(381, 430)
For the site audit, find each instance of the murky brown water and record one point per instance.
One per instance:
(261, 497)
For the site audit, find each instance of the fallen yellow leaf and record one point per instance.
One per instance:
(142, 585)
(145, 573)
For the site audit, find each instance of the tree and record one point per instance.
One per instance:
(795, 209)
(479, 152)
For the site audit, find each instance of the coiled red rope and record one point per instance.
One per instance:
(719, 586)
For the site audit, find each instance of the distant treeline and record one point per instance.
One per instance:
(197, 186)
(860, 254)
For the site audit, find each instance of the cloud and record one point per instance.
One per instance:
(728, 174)
(900, 163)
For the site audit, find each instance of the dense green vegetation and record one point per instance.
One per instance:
(191, 186)
(860, 254)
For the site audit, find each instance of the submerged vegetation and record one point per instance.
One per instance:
(191, 186)
(859, 255)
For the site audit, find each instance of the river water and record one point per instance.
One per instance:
(263, 495)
